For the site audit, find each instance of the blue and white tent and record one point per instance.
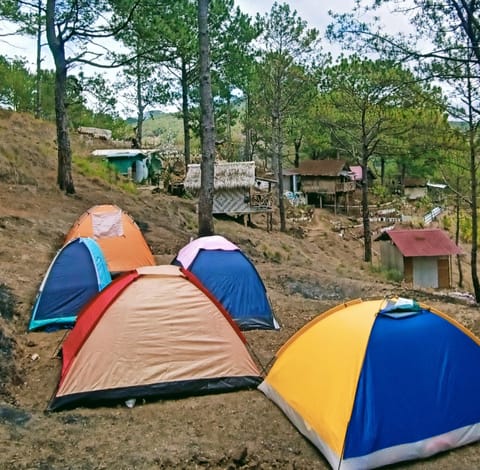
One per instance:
(77, 273)
(232, 278)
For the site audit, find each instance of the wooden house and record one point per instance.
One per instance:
(291, 180)
(422, 256)
(326, 181)
(237, 190)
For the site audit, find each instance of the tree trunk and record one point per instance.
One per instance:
(57, 46)
(367, 236)
(140, 105)
(473, 255)
(472, 135)
(247, 153)
(297, 143)
(38, 77)
(277, 155)
(403, 172)
(230, 156)
(281, 200)
(185, 115)
(207, 166)
(382, 171)
(457, 234)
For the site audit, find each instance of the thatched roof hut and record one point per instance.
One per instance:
(235, 188)
(227, 175)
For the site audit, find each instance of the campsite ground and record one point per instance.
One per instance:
(304, 276)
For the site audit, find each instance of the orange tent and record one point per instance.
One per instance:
(117, 234)
(138, 340)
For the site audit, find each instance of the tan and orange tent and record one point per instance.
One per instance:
(118, 236)
(153, 332)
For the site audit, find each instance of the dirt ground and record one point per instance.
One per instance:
(304, 275)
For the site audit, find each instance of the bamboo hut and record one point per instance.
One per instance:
(237, 190)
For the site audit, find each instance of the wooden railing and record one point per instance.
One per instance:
(261, 200)
(345, 187)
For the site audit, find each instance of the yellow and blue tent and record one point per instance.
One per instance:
(375, 382)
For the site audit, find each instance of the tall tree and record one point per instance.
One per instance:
(56, 21)
(207, 166)
(38, 87)
(143, 82)
(289, 49)
(77, 24)
(366, 104)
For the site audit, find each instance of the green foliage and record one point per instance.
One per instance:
(447, 223)
(393, 275)
(380, 193)
(101, 171)
(466, 228)
(17, 87)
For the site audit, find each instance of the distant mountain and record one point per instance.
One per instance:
(153, 114)
(463, 126)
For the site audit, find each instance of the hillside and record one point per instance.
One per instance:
(304, 276)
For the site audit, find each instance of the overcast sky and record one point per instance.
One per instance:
(315, 14)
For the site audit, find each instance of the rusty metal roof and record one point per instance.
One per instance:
(321, 167)
(422, 242)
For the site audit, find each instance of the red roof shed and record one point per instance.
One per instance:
(422, 242)
(422, 256)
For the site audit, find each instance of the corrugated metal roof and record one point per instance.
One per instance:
(357, 171)
(414, 182)
(422, 242)
(321, 167)
(290, 171)
(119, 153)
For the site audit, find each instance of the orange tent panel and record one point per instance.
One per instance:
(117, 234)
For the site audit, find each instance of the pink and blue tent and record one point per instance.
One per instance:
(77, 273)
(232, 278)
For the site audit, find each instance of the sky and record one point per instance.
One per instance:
(310, 11)
(316, 17)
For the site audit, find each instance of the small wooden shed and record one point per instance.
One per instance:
(237, 190)
(415, 188)
(423, 256)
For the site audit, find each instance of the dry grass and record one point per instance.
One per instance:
(303, 276)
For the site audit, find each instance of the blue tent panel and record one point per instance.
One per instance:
(233, 280)
(77, 273)
(418, 376)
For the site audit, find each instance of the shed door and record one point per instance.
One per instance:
(425, 272)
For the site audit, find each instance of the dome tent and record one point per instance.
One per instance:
(137, 340)
(232, 278)
(77, 273)
(371, 383)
